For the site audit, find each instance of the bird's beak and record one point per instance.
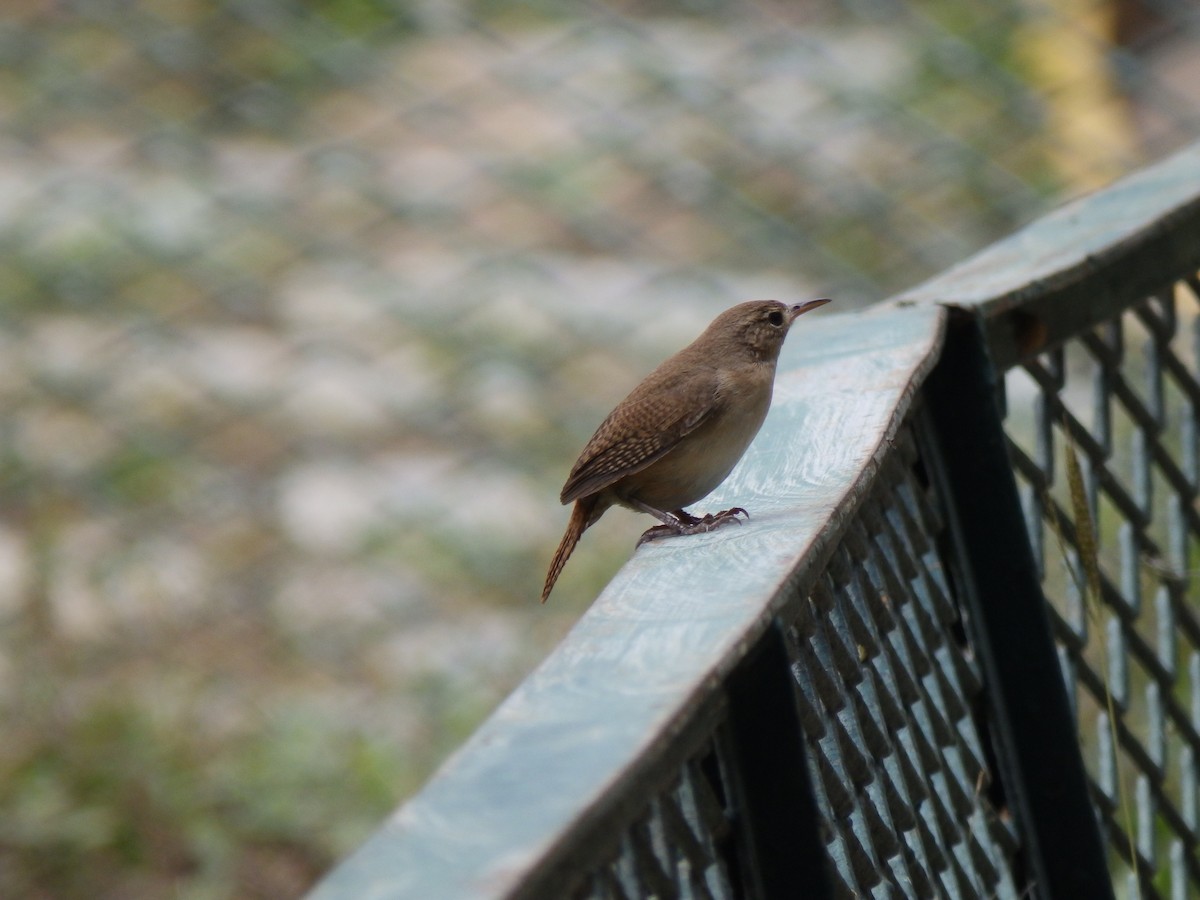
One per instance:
(800, 309)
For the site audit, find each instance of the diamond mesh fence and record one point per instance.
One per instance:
(682, 846)
(304, 309)
(892, 701)
(1108, 468)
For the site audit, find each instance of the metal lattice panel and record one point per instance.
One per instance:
(887, 692)
(1124, 401)
(678, 848)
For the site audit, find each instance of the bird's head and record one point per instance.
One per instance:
(759, 326)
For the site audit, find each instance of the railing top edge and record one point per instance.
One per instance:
(1079, 264)
(673, 621)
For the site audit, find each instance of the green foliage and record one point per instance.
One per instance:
(139, 475)
(361, 17)
(128, 792)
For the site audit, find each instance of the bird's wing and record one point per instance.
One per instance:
(640, 431)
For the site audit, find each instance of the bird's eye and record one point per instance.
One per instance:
(775, 317)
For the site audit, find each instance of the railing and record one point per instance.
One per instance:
(954, 653)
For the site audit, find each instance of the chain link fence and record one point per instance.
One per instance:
(305, 309)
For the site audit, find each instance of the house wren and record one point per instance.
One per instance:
(682, 430)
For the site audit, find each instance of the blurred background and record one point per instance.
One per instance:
(307, 308)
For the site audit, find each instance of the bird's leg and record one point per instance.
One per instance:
(680, 521)
(672, 522)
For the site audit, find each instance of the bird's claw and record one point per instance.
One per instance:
(726, 515)
(689, 524)
(658, 531)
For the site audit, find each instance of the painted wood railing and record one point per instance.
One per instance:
(955, 652)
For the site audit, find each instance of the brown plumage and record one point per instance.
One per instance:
(682, 430)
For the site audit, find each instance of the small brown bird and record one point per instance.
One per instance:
(682, 430)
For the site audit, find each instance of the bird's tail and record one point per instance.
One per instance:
(583, 514)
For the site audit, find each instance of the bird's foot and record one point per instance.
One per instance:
(725, 515)
(689, 524)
